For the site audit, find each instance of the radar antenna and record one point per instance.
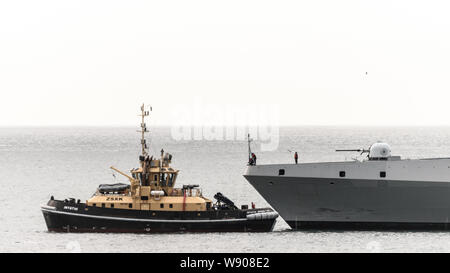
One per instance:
(144, 113)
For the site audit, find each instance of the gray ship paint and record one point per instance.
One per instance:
(388, 192)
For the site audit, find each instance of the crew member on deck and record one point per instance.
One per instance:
(296, 157)
(254, 158)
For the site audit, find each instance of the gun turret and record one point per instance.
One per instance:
(362, 151)
(377, 151)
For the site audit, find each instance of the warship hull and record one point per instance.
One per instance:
(62, 216)
(313, 196)
(318, 203)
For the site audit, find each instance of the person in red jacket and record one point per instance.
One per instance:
(296, 158)
(254, 158)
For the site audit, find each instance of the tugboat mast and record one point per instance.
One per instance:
(143, 158)
(144, 130)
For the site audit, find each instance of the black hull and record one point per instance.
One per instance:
(64, 217)
(366, 226)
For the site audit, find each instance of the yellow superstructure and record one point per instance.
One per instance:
(152, 186)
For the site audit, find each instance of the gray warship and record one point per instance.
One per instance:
(381, 191)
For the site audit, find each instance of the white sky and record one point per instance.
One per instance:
(94, 62)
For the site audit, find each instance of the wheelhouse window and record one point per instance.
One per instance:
(161, 206)
(171, 179)
(163, 179)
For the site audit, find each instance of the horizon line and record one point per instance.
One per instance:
(196, 126)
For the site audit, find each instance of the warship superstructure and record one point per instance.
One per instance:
(381, 191)
(152, 203)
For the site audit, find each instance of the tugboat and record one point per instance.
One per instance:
(151, 203)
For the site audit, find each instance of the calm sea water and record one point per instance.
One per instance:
(36, 163)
